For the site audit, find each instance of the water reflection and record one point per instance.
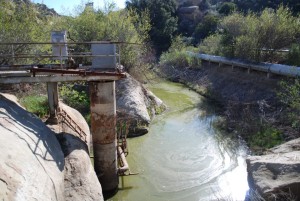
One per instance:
(183, 157)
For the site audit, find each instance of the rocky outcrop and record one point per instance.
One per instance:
(276, 176)
(31, 160)
(78, 119)
(81, 182)
(34, 165)
(136, 106)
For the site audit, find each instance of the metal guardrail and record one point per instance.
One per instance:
(278, 69)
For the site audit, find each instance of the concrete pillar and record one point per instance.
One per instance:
(52, 91)
(103, 127)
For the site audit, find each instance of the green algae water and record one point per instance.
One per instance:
(183, 157)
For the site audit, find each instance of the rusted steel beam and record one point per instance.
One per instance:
(28, 67)
(29, 56)
(58, 78)
(103, 127)
(78, 72)
(69, 43)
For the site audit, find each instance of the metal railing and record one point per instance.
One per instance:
(22, 55)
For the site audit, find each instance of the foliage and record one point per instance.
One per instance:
(77, 99)
(207, 27)
(260, 5)
(36, 104)
(227, 8)
(21, 22)
(290, 96)
(211, 45)
(178, 56)
(258, 37)
(101, 25)
(294, 55)
(163, 20)
(266, 138)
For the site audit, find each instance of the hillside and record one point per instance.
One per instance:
(42, 8)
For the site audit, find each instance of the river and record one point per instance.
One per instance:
(183, 157)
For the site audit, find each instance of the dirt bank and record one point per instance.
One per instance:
(248, 101)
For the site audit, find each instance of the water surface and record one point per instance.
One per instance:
(183, 157)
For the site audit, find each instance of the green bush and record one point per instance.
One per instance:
(289, 95)
(178, 56)
(294, 55)
(246, 36)
(266, 138)
(36, 104)
(211, 45)
(75, 98)
(179, 59)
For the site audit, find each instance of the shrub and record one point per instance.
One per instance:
(36, 104)
(178, 56)
(289, 95)
(77, 99)
(294, 55)
(266, 138)
(211, 45)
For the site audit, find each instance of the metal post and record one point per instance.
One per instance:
(103, 127)
(13, 54)
(52, 91)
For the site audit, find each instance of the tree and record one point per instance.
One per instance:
(20, 22)
(258, 37)
(227, 8)
(163, 20)
(205, 28)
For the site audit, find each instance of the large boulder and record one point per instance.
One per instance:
(81, 182)
(277, 174)
(77, 120)
(136, 105)
(31, 160)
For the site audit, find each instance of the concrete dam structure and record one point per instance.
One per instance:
(100, 71)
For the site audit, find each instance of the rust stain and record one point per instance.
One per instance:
(103, 128)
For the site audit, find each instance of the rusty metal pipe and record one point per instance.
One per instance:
(125, 167)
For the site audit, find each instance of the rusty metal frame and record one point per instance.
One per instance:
(77, 72)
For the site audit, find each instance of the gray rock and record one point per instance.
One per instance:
(31, 160)
(79, 120)
(277, 174)
(136, 105)
(81, 182)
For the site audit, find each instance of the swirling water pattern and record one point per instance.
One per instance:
(183, 157)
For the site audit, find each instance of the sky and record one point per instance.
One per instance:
(63, 6)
